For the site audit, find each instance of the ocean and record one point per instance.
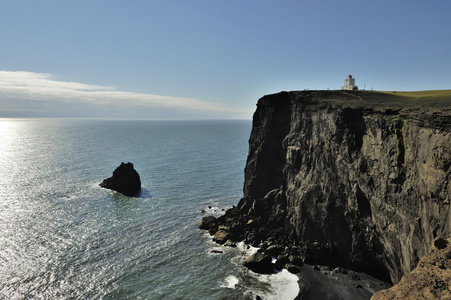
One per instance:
(64, 237)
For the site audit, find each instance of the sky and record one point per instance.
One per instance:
(208, 59)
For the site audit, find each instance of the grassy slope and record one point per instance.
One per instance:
(433, 99)
(430, 100)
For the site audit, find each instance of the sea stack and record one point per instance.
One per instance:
(125, 180)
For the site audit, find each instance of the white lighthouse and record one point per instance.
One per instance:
(349, 84)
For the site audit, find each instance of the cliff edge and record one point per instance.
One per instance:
(357, 179)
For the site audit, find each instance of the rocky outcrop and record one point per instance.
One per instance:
(431, 279)
(357, 179)
(259, 262)
(222, 235)
(125, 180)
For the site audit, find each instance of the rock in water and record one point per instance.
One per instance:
(222, 236)
(208, 222)
(125, 180)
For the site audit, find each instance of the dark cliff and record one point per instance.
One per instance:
(363, 176)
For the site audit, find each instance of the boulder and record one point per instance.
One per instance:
(208, 222)
(293, 269)
(230, 243)
(125, 180)
(222, 236)
(274, 250)
(296, 260)
(281, 261)
(259, 262)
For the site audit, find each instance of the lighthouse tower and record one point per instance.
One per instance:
(349, 84)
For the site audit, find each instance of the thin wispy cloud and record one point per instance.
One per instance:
(34, 87)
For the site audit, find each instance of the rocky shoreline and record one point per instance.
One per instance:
(323, 281)
(319, 276)
(248, 222)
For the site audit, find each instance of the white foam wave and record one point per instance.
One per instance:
(245, 249)
(68, 197)
(212, 210)
(282, 285)
(230, 282)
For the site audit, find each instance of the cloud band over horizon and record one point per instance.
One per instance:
(23, 93)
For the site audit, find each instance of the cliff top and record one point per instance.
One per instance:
(434, 100)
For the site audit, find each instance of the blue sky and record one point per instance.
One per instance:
(210, 59)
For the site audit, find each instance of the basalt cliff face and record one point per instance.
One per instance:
(346, 182)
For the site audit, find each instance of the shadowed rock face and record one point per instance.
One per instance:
(125, 180)
(364, 187)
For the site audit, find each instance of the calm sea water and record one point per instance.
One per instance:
(63, 237)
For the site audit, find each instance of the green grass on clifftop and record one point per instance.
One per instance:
(431, 100)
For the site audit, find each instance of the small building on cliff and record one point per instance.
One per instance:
(349, 84)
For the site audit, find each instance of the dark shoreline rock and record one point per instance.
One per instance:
(259, 262)
(222, 236)
(125, 180)
(208, 222)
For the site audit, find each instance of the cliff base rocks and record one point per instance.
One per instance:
(252, 223)
(125, 180)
